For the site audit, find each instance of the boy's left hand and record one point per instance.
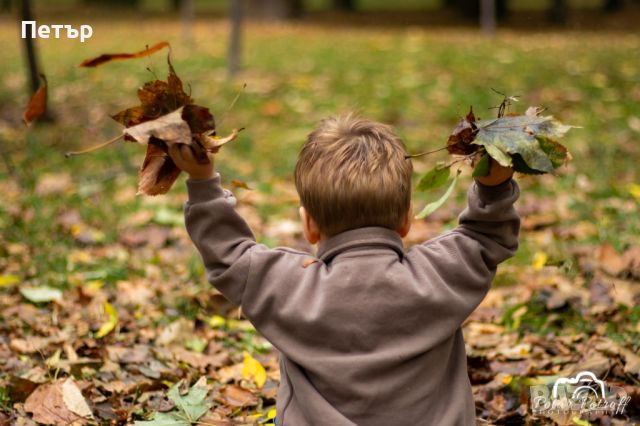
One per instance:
(497, 174)
(185, 158)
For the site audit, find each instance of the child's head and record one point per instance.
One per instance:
(352, 173)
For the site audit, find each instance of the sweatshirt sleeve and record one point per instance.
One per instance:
(221, 235)
(457, 267)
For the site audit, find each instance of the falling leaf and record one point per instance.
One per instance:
(240, 184)
(108, 57)
(431, 207)
(111, 322)
(37, 104)
(252, 369)
(41, 294)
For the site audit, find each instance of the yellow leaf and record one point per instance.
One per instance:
(539, 260)
(8, 280)
(579, 422)
(111, 323)
(634, 190)
(251, 368)
(507, 379)
(216, 321)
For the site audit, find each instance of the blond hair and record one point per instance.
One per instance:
(351, 173)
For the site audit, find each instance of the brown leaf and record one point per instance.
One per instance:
(108, 57)
(610, 261)
(169, 128)
(240, 184)
(58, 403)
(235, 396)
(37, 104)
(158, 171)
(459, 142)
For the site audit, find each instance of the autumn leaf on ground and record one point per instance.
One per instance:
(108, 57)
(188, 407)
(37, 104)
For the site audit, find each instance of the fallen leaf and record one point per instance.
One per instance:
(37, 104)
(41, 294)
(108, 57)
(236, 396)
(111, 322)
(252, 369)
(58, 403)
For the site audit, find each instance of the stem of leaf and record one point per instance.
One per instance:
(424, 153)
(93, 148)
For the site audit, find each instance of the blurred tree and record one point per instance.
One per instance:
(236, 12)
(276, 9)
(558, 11)
(30, 49)
(5, 5)
(471, 8)
(346, 5)
(613, 5)
(118, 3)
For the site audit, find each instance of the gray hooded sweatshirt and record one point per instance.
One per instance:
(369, 333)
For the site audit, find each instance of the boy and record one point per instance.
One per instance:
(369, 334)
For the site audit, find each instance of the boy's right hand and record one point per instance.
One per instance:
(497, 174)
(198, 167)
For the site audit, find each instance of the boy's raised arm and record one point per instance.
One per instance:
(219, 233)
(457, 267)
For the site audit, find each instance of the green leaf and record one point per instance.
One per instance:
(526, 135)
(431, 207)
(165, 419)
(434, 178)
(483, 167)
(41, 294)
(192, 404)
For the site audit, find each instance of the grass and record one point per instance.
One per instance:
(419, 80)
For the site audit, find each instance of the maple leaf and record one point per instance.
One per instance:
(165, 116)
(525, 136)
(37, 104)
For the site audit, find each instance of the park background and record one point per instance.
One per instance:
(103, 286)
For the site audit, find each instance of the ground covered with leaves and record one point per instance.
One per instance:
(104, 307)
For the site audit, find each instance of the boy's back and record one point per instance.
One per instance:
(369, 334)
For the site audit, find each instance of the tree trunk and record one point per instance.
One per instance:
(236, 11)
(186, 13)
(30, 49)
(345, 5)
(613, 5)
(276, 10)
(488, 16)
(558, 12)
(5, 5)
